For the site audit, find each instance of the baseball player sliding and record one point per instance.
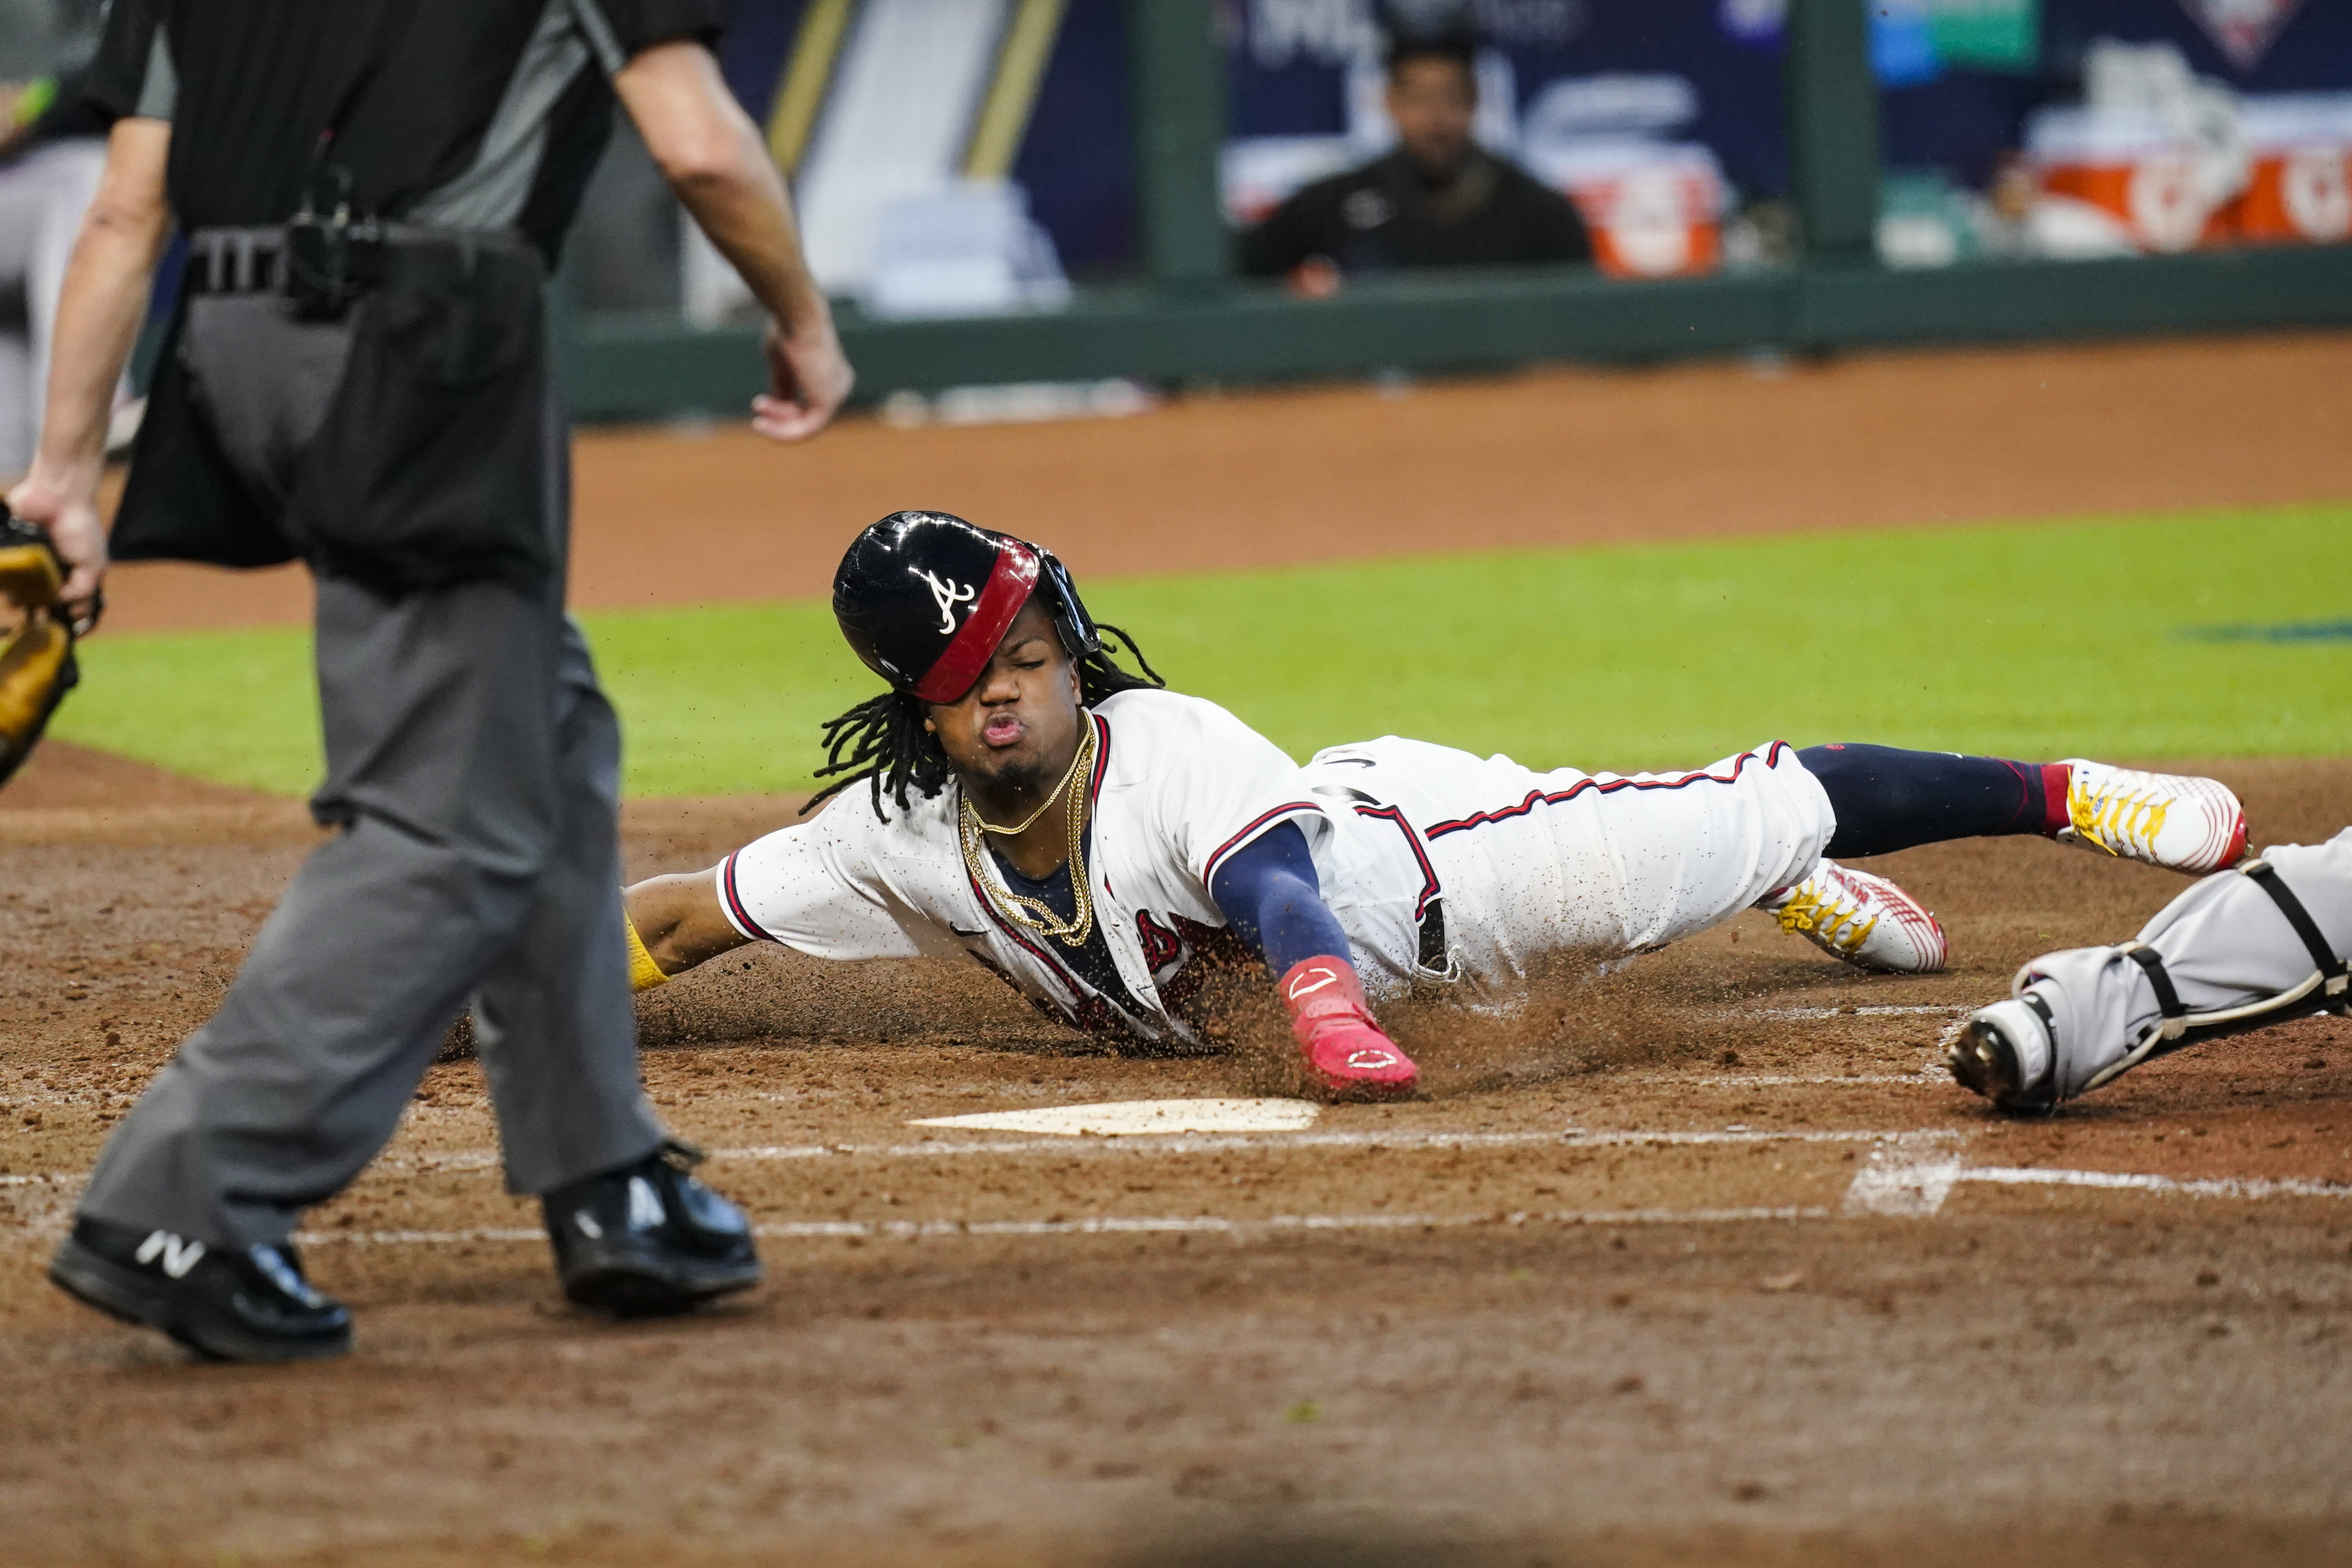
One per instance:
(1102, 844)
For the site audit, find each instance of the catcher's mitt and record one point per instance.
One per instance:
(36, 658)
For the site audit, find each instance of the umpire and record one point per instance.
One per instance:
(373, 193)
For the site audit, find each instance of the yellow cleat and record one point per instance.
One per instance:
(2184, 824)
(1863, 919)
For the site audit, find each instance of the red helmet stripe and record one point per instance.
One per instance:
(968, 652)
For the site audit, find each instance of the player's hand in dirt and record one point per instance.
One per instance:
(1346, 1056)
(808, 378)
(69, 514)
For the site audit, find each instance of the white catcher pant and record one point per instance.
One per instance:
(1524, 865)
(2223, 942)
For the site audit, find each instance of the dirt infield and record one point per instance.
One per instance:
(1547, 458)
(1704, 1261)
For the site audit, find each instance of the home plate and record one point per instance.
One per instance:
(1125, 1118)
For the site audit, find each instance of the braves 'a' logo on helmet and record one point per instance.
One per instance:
(946, 592)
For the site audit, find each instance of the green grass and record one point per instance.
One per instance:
(2031, 641)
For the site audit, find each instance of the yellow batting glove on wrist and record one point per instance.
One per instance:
(643, 973)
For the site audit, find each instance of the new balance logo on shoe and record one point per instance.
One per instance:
(179, 1255)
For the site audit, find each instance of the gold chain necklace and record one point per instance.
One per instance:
(1034, 915)
(1085, 753)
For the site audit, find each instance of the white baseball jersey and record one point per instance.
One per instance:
(1442, 868)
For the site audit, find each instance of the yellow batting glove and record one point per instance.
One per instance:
(643, 973)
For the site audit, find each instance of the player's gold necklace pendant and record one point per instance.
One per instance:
(1035, 916)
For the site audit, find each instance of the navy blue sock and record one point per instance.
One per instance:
(1888, 799)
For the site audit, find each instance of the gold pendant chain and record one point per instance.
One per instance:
(1085, 753)
(1034, 915)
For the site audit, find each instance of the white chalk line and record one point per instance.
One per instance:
(1907, 1178)
(1908, 1175)
(1193, 1143)
(1172, 1143)
(1912, 1182)
(1944, 1011)
(1923, 1078)
(412, 1238)
(2121, 1181)
(1112, 1225)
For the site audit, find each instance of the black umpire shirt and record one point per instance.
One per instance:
(424, 454)
(1392, 214)
(479, 114)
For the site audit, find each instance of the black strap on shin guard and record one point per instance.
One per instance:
(2332, 976)
(2167, 996)
(2325, 990)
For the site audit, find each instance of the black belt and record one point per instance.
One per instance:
(235, 261)
(255, 260)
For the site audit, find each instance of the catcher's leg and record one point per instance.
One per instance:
(2239, 950)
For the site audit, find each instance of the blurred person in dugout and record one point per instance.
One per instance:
(52, 147)
(356, 374)
(1438, 200)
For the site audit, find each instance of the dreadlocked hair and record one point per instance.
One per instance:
(882, 740)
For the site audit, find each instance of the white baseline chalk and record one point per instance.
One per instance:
(1907, 1178)
(2124, 1181)
(1944, 1011)
(1112, 1225)
(1570, 1138)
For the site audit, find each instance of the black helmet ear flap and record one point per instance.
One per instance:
(1076, 628)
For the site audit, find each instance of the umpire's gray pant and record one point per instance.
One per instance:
(476, 765)
(473, 768)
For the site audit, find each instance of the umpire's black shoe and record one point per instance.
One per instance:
(650, 1239)
(222, 1303)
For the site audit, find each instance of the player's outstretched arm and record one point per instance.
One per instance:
(1273, 900)
(675, 923)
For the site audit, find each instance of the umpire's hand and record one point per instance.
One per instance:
(70, 516)
(714, 158)
(808, 377)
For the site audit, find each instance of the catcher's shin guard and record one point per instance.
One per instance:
(2249, 947)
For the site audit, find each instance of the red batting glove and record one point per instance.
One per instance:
(1347, 1057)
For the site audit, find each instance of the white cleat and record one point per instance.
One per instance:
(1863, 919)
(2184, 824)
